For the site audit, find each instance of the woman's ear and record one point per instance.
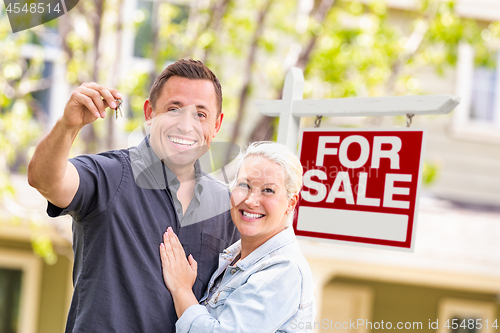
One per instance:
(292, 202)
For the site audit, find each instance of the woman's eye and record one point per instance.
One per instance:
(268, 190)
(243, 185)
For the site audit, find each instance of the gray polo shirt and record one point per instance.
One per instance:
(125, 202)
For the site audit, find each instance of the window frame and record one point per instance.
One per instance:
(449, 307)
(361, 296)
(31, 268)
(463, 126)
(59, 86)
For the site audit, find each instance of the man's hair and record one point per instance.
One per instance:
(190, 69)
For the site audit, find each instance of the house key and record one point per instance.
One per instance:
(119, 103)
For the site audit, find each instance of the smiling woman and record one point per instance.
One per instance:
(263, 282)
(265, 192)
(259, 201)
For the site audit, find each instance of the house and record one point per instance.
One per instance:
(35, 294)
(451, 281)
(452, 273)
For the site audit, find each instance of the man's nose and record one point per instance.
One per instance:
(188, 119)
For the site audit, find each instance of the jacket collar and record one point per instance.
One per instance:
(283, 238)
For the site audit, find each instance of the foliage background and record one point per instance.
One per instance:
(346, 48)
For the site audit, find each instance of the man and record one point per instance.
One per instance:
(123, 201)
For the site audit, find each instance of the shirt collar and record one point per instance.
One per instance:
(160, 171)
(148, 167)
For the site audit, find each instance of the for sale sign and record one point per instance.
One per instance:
(360, 185)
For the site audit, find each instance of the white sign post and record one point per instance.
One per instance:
(352, 211)
(292, 107)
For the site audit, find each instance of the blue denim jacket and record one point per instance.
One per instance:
(270, 290)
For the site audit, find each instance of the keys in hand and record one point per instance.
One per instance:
(119, 103)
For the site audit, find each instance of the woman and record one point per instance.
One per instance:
(263, 283)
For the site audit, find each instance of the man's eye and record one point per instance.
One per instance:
(176, 110)
(201, 115)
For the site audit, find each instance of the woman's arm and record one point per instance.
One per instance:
(179, 274)
(267, 300)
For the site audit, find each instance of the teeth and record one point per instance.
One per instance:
(252, 216)
(182, 142)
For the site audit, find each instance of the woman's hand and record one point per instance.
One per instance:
(179, 273)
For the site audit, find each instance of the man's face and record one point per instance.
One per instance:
(184, 120)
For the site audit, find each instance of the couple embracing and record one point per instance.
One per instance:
(159, 245)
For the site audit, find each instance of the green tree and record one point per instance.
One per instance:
(346, 48)
(19, 78)
(22, 120)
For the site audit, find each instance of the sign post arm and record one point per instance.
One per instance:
(365, 106)
(293, 90)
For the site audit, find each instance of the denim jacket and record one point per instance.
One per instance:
(271, 290)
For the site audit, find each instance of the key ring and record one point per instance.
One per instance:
(118, 108)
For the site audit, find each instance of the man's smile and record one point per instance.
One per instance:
(182, 142)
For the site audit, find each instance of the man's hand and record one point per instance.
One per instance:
(87, 103)
(49, 170)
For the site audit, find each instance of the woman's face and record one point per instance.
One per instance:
(259, 200)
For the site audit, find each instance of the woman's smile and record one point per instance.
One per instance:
(251, 216)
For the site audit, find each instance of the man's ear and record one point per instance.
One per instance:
(218, 123)
(148, 111)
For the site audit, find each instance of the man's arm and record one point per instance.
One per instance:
(49, 170)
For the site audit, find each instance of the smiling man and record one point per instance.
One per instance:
(122, 201)
(183, 124)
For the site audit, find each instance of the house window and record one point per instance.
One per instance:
(10, 291)
(483, 99)
(20, 281)
(464, 325)
(478, 114)
(466, 316)
(47, 102)
(344, 303)
(42, 97)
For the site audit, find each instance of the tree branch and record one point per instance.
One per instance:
(264, 129)
(319, 15)
(411, 47)
(217, 12)
(248, 70)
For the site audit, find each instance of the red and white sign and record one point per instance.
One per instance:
(360, 185)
